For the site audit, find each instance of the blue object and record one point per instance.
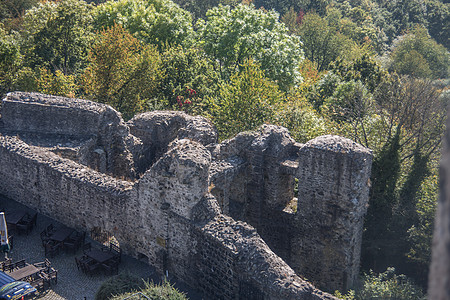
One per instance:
(10, 289)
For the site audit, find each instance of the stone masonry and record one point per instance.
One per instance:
(223, 217)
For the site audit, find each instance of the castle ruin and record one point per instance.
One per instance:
(225, 217)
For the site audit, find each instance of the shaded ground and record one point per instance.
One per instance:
(72, 283)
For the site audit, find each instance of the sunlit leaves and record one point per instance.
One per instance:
(122, 72)
(245, 103)
(234, 35)
(153, 21)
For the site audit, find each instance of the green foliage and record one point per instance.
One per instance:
(364, 68)
(418, 55)
(122, 72)
(155, 292)
(283, 6)
(56, 35)
(321, 43)
(187, 68)
(10, 9)
(245, 103)
(421, 233)
(118, 284)
(153, 21)
(388, 286)
(55, 84)
(438, 17)
(10, 61)
(198, 8)
(412, 118)
(349, 103)
(298, 115)
(350, 295)
(233, 35)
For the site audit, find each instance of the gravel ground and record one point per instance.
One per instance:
(72, 283)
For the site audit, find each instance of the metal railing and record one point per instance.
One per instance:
(137, 294)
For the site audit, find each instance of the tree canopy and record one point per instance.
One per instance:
(233, 35)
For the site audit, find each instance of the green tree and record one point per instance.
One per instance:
(245, 103)
(14, 8)
(55, 84)
(10, 61)
(122, 72)
(56, 35)
(321, 43)
(234, 35)
(153, 21)
(438, 17)
(388, 285)
(419, 55)
(198, 8)
(412, 117)
(187, 68)
(283, 6)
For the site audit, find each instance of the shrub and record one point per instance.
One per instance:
(388, 285)
(156, 292)
(119, 284)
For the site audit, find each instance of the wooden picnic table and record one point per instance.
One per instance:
(99, 255)
(15, 217)
(25, 272)
(61, 234)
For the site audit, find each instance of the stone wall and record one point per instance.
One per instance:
(322, 239)
(329, 221)
(214, 215)
(88, 132)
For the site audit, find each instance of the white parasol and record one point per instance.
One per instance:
(4, 246)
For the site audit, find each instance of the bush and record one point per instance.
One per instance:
(156, 292)
(388, 285)
(119, 284)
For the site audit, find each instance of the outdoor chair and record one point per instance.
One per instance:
(24, 226)
(44, 235)
(46, 264)
(110, 268)
(38, 283)
(87, 247)
(19, 264)
(92, 267)
(116, 251)
(7, 265)
(51, 249)
(53, 275)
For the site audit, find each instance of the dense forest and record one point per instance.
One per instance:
(374, 71)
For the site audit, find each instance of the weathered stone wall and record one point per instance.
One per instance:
(158, 129)
(88, 132)
(326, 246)
(168, 214)
(322, 239)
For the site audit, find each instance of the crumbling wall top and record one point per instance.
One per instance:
(165, 126)
(47, 100)
(338, 144)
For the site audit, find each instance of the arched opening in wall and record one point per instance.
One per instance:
(291, 206)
